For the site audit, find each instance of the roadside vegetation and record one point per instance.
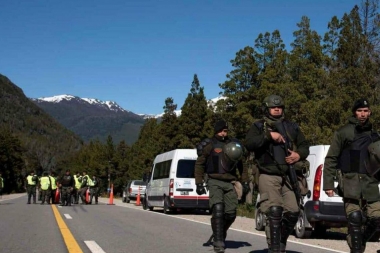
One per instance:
(318, 75)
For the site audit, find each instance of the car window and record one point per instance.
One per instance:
(139, 183)
(185, 169)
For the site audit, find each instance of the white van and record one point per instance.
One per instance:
(320, 211)
(171, 184)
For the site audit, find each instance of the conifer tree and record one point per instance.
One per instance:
(194, 115)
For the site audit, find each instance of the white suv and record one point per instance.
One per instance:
(320, 211)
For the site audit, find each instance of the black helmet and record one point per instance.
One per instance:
(374, 158)
(233, 151)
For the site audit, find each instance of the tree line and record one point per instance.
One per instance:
(319, 78)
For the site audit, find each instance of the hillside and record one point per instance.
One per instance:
(46, 142)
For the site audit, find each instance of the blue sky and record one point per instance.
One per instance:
(136, 52)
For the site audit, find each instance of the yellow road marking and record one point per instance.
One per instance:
(71, 243)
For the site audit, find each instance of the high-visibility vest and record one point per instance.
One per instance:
(45, 182)
(53, 184)
(77, 182)
(30, 180)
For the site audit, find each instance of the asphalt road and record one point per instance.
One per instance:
(114, 228)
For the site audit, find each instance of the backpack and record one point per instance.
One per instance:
(90, 182)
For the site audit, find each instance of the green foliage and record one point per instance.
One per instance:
(318, 79)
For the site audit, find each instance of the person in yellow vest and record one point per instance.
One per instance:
(31, 184)
(84, 187)
(78, 183)
(53, 180)
(45, 188)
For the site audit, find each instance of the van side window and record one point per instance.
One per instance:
(185, 169)
(162, 170)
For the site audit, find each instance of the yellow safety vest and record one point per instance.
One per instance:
(45, 183)
(53, 184)
(30, 180)
(77, 182)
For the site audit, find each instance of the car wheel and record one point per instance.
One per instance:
(259, 220)
(300, 229)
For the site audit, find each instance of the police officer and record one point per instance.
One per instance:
(45, 187)
(78, 183)
(348, 157)
(94, 190)
(67, 184)
(270, 143)
(31, 183)
(219, 158)
(84, 187)
(53, 191)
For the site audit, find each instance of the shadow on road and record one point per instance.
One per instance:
(266, 250)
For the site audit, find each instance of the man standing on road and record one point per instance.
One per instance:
(67, 183)
(31, 183)
(349, 158)
(45, 186)
(94, 189)
(274, 156)
(53, 185)
(220, 157)
(84, 187)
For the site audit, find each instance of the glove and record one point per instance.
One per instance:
(200, 189)
(246, 188)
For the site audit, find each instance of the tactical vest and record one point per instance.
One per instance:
(355, 155)
(45, 183)
(216, 162)
(31, 180)
(66, 181)
(274, 153)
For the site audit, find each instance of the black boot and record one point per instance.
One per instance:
(372, 226)
(228, 220)
(289, 220)
(354, 238)
(274, 217)
(217, 225)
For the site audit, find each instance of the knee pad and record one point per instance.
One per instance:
(355, 218)
(218, 210)
(275, 211)
(230, 217)
(291, 217)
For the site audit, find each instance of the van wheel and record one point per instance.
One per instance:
(166, 208)
(300, 229)
(259, 220)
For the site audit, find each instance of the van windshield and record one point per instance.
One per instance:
(185, 169)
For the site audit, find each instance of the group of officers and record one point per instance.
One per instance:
(64, 190)
(278, 145)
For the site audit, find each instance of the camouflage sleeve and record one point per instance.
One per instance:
(331, 161)
(255, 138)
(200, 164)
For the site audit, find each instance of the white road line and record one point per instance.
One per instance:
(94, 247)
(67, 216)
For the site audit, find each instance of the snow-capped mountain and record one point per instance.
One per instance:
(111, 105)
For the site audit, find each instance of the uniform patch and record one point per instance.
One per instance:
(218, 150)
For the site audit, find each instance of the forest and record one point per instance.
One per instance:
(319, 77)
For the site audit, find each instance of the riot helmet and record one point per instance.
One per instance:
(272, 101)
(233, 151)
(374, 158)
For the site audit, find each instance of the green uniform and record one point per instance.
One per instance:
(360, 191)
(223, 198)
(277, 198)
